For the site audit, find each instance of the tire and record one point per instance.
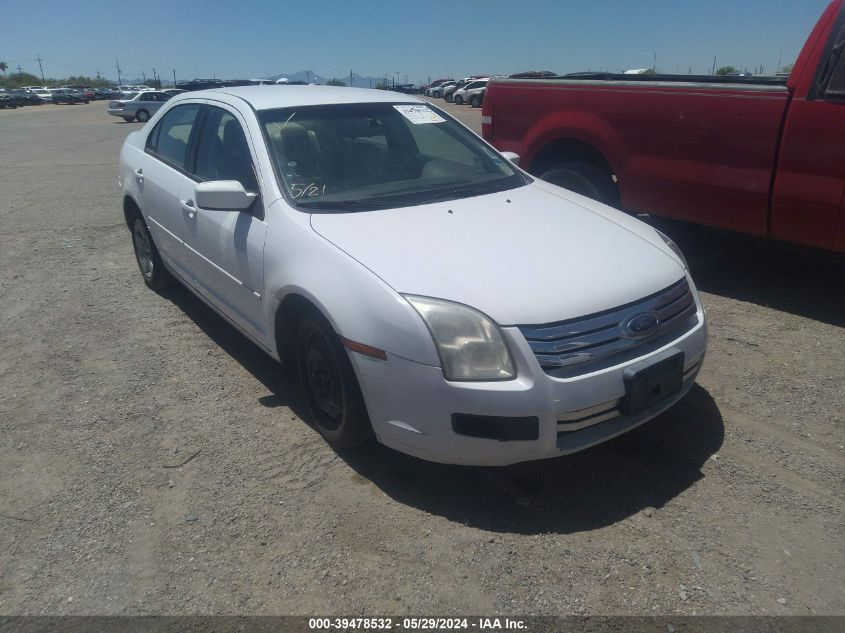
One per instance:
(149, 261)
(142, 116)
(329, 385)
(587, 179)
(129, 119)
(86, 102)
(473, 101)
(459, 100)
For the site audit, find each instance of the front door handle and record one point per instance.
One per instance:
(139, 176)
(188, 207)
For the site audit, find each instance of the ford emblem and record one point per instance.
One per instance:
(642, 325)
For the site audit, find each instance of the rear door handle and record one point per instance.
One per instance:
(188, 207)
(139, 176)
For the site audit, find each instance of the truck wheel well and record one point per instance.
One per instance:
(578, 166)
(567, 150)
(288, 316)
(130, 211)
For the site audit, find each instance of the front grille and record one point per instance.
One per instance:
(606, 335)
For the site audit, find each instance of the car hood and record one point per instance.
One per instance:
(536, 254)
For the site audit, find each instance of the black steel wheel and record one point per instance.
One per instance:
(329, 384)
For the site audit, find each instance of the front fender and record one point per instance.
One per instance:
(358, 304)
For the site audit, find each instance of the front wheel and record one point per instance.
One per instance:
(459, 100)
(143, 116)
(588, 179)
(146, 254)
(329, 385)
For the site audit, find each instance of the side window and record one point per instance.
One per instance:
(223, 152)
(171, 135)
(833, 78)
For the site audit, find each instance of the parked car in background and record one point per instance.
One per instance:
(102, 94)
(408, 89)
(139, 106)
(449, 92)
(759, 155)
(434, 84)
(8, 100)
(475, 97)
(63, 95)
(42, 93)
(176, 91)
(329, 226)
(460, 95)
(26, 98)
(437, 92)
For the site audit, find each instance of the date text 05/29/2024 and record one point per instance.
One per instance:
(421, 624)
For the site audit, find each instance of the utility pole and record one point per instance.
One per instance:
(144, 77)
(174, 77)
(98, 74)
(117, 63)
(654, 65)
(20, 72)
(713, 72)
(39, 60)
(780, 58)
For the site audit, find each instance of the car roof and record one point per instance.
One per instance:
(282, 96)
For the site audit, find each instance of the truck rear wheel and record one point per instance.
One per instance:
(587, 179)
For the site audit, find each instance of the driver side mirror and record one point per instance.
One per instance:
(223, 195)
(512, 157)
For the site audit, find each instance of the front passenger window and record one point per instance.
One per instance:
(223, 152)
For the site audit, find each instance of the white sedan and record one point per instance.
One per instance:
(138, 106)
(426, 290)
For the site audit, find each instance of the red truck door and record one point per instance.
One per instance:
(810, 180)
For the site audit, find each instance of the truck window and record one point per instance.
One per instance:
(832, 81)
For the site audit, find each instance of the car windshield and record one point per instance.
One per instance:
(360, 156)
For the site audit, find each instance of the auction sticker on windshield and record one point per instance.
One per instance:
(418, 114)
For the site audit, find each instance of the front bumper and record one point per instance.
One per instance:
(411, 405)
(120, 112)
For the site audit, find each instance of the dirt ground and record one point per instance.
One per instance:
(154, 461)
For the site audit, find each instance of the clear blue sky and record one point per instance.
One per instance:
(256, 38)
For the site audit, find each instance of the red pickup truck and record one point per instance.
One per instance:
(761, 155)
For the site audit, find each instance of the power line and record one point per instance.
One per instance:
(38, 59)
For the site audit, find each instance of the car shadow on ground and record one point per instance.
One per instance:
(645, 468)
(282, 387)
(794, 279)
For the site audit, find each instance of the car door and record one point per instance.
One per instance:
(810, 180)
(227, 247)
(161, 176)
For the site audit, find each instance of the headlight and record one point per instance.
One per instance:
(470, 345)
(675, 249)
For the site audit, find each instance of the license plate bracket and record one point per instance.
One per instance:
(649, 382)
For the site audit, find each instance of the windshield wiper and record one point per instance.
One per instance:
(458, 193)
(343, 205)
